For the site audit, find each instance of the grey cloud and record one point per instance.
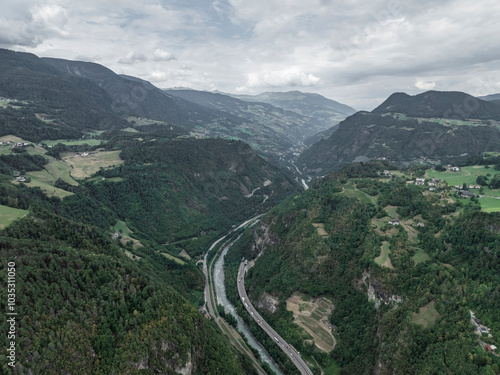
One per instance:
(132, 58)
(161, 55)
(24, 24)
(356, 50)
(88, 58)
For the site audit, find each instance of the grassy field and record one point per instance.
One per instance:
(9, 214)
(383, 259)
(490, 204)
(121, 227)
(46, 178)
(11, 138)
(185, 255)
(351, 191)
(420, 256)
(143, 121)
(74, 142)
(46, 187)
(59, 169)
(125, 232)
(130, 130)
(427, 315)
(177, 260)
(109, 179)
(5, 150)
(85, 166)
(468, 175)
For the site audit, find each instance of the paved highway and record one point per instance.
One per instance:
(288, 349)
(211, 310)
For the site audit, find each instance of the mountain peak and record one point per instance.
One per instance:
(439, 104)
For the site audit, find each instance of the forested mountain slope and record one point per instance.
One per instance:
(67, 104)
(275, 132)
(189, 190)
(107, 280)
(440, 104)
(439, 127)
(85, 307)
(402, 294)
(131, 96)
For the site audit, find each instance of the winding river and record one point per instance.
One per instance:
(220, 290)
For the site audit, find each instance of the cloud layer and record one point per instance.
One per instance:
(355, 51)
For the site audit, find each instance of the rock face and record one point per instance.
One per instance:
(263, 239)
(173, 363)
(376, 293)
(268, 302)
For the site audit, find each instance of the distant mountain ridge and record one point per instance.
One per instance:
(274, 131)
(432, 127)
(300, 102)
(322, 110)
(440, 104)
(72, 104)
(131, 96)
(493, 98)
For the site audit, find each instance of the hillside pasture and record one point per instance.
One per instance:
(427, 315)
(43, 180)
(9, 214)
(420, 256)
(383, 259)
(468, 175)
(74, 142)
(125, 232)
(175, 259)
(85, 166)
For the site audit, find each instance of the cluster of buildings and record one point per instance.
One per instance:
(14, 144)
(396, 222)
(10, 100)
(431, 183)
(19, 178)
(480, 329)
(451, 168)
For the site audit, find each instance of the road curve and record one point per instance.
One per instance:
(287, 348)
(211, 310)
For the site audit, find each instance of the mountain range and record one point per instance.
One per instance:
(437, 127)
(276, 127)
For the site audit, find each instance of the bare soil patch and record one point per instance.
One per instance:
(320, 227)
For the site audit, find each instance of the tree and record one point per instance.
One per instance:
(440, 168)
(482, 180)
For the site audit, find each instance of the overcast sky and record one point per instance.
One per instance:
(354, 51)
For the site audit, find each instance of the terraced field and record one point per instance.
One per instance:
(312, 315)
